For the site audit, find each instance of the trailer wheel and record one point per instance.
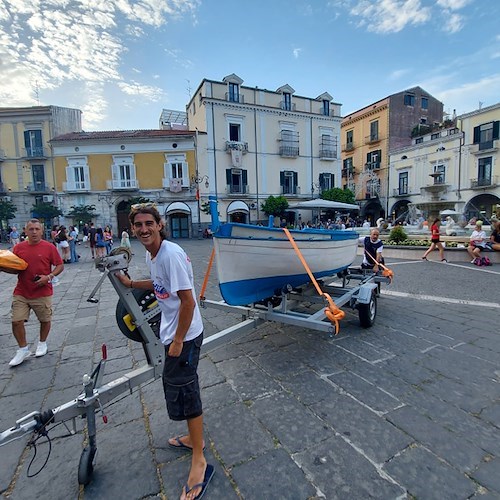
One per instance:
(86, 465)
(367, 312)
(145, 299)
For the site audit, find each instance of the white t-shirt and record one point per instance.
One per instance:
(478, 235)
(171, 271)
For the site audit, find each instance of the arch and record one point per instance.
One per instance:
(238, 211)
(400, 210)
(483, 206)
(178, 220)
(177, 206)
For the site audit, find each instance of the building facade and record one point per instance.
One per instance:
(369, 134)
(450, 168)
(262, 143)
(112, 169)
(27, 165)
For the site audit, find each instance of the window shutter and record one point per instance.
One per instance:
(476, 135)
(132, 171)
(70, 175)
(322, 181)
(495, 129)
(185, 176)
(27, 139)
(295, 182)
(228, 176)
(86, 176)
(115, 171)
(244, 176)
(368, 157)
(282, 178)
(332, 179)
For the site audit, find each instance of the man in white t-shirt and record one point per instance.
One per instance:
(181, 332)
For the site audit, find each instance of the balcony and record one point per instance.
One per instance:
(77, 187)
(373, 165)
(237, 189)
(372, 138)
(173, 185)
(401, 192)
(38, 187)
(122, 184)
(289, 151)
(327, 154)
(287, 106)
(35, 153)
(484, 182)
(237, 145)
(348, 147)
(485, 147)
(348, 172)
(230, 97)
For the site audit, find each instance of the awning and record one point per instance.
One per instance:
(237, 206)
(178, 206)
(324, 204)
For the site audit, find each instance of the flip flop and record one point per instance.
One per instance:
(180, 445)
(209, 474)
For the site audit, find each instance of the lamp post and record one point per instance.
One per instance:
(196, 180)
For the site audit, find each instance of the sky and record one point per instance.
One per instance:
(121, 62)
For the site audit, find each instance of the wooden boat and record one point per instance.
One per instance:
(255, 262)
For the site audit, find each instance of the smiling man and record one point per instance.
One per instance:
(181, 332)
(34, 289)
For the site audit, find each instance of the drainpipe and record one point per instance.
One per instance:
(215, 155)
(312, 159)
(256, 151)
(460, 144)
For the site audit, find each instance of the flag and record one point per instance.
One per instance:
(175, 185)
(197, 194)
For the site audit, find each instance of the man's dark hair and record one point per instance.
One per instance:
(147, 208)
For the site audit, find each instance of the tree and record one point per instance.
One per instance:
(7, 212)
(340, 195)
(82, 213)
(45, 211)
(274, 205)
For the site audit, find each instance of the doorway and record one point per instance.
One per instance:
(179, 226)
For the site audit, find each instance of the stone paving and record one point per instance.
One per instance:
(409, 408)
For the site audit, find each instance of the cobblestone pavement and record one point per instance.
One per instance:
(409, 408)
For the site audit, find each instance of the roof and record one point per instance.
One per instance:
(122, 134)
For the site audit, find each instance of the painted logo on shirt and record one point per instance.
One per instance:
(160, 292)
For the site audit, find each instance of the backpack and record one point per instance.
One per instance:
(478, 261)
(485, 261)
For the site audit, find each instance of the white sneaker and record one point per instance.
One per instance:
(41, 349)
(20, 356)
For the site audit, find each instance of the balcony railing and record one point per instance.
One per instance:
(237, 189)
(347, 172)
(38, 187)
(290, 190)
(348, 147)
(480, 147)
(168, 183)
(35, 152)
(370, 139)
(237, 145)
(287, 106)
(76, 186)
(122, 184)
(374, 165)
(328, 154)
(235, 97)
(289, 151)
(483, 182)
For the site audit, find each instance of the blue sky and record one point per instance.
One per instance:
(123, 61)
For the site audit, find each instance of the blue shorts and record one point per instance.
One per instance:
(180, 381)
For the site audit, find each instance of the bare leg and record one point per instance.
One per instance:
(44, 331)
(429, 250)
(441, 250)
(19, 333)
(198, 462)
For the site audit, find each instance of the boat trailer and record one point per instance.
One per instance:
(138, 318)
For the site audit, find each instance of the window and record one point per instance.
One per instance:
(176, 168)
(123, 170)
(437, 135)
(235, 132)
(234, 92)
(77, 174)
(484, 171)
(373, 159)
(485, 134)
(326, 107)
(236, 179)
(287, 101)
(372, 188)
(347, 168)
(439, 174)
(33, 143)
(289, 143)
(38, 176)
(403, 183)
(328, 147)
(409, 100)
(350, 137)
(374, 130)
(288, 182)
(326, 181)
(425, 103)
(419, 140)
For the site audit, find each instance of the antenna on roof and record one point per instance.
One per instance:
(37, 93)
(188, 88)
(481, 104)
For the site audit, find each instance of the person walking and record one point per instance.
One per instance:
(63, 244)
(72, 239)
(108, 239)
(435, 242)
(34, 289)
(92, 238)
(125, 242)
(100, 244)
(181, 332)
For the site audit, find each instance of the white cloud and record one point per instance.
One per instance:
(454, 23)
(398, 73)
(59, 42)
(296, 52)
(452, 4)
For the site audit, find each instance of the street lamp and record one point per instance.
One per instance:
(196, 180)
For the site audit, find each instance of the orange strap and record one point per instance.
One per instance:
(387, 272)
(332, 312)
(207, 275)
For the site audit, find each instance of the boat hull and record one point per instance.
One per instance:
(255, 263)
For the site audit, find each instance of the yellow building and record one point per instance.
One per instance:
(27, 173)
(111, 169)
(371, 133)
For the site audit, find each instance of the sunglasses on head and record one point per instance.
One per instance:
(138, 206)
